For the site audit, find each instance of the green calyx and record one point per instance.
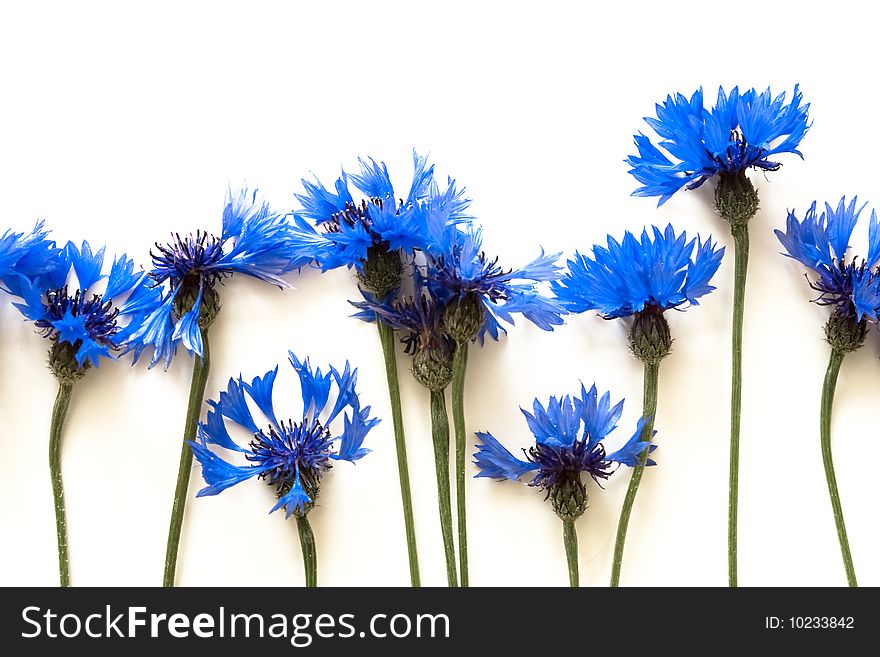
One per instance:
(844, 332)
(463, 318)
(381, 271)
(736, 199)
(569, 496)
(187, 295)
(62, 362)
(433, 368)
(649, 337)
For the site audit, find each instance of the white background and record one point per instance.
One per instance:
(120, 125)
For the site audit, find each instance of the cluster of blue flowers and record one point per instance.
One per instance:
(423, 271)
(427, 242)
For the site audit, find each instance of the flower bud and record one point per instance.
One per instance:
(844, 332)
(381, 271)
(62, 362)
(649, 337)
(569, 496)
(736, 199)
(463, 318)
(433, 368)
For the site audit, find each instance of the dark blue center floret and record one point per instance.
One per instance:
(187, 257)
(66, 313)
(558, 463)
(476, 275)
(837, 286)
(298, 448)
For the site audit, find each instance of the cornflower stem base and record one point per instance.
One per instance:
(459, 366)
(201, 367)
(309, 553)
(570, 538)
(440, 434)
(56, 428)
(828, 388)
(649, 410)
(740, 234)
(386, 336)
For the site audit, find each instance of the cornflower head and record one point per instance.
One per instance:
(743, 130)
(82, 321)
(378, 234)
(477, 293)
(255, 241)
(570, 435)
(641, 278)
(419, 321)
(26, 254)
(290, 456)
(850, 287)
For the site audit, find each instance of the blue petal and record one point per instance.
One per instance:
(219, 474)
(295, 500)
(319, 204)
(356, 429)
(599, 417)
(86, 264)
(122, 277)
(631, 452)
(260, 390)
(315, 386)
(374, 180)
(214, 432)
(493, 460)
(187, 329)
(232, 404)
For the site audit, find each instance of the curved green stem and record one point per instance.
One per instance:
(386, 336)
(201, 367)
(459, 365)
(570, 538)
(649, 410)
(309, 552)
(59, 413)
(440, 434)
(741, 264)
(828, 388)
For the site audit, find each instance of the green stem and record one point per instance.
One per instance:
(741, 263)
(440, 434)
(201, 367)
(825, 430)
(459, 365)
(570, 538)
(310, 554)
(649, 410)
(59, 412)
(386, 336)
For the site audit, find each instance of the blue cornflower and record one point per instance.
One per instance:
(478, 292)
(371, 235)
(662, 271)
(84, 323)
(569, 441)
(419, 320)
(255, 241)
(743, 130)
(292, 457)
(821, 241)
(26, 254)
